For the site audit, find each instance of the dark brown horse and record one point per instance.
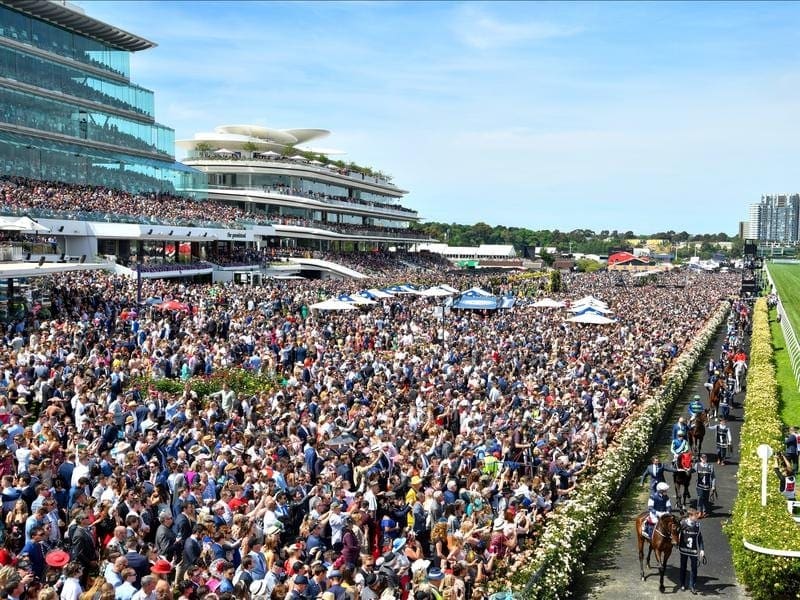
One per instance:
(682, 478)
(696, 432)
(665, 535)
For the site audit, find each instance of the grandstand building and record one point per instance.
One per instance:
(311, 201)
(68, 109)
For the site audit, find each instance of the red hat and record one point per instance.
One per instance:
(6, 558)
(162, 567)
(57, 558)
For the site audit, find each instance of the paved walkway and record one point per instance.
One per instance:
(612, 571)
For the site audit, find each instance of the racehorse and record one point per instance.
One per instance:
(697, 431)
(682, 478)
(665, 534)
(715, 395)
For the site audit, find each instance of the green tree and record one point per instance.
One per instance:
(587, 265)
(249, 147)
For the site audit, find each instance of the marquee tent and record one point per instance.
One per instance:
(356, 299)
(591, 318)
(373, 293)
(333, 304)
(548, 303)
(590, 308)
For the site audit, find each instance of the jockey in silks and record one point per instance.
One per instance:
(695, 407)
(658, 505)
(679, 446)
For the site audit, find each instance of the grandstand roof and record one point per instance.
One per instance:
(71, 17)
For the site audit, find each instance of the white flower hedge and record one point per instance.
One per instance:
(570, 531)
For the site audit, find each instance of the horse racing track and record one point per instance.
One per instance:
(612, 566)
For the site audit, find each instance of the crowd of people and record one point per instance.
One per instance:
(21, 196)
(400, 452)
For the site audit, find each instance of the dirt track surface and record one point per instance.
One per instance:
(612, 569)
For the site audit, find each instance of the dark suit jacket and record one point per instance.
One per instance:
(138, 563)
(191, 552)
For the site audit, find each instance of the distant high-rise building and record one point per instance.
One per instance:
(775, 218)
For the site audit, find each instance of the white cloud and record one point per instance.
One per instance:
(483, 31)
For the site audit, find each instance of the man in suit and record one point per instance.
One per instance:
(656, 472)
(165, 536)
(192, 549)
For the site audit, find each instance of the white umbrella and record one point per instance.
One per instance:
(356, 299)
(591, 318)
(590, 300)
(435, 292)
(332, 304)
(269, 154)
(590, 308)
(379, 293)
(223, 151)
(315, 162)
(548, 303)
(298, 157)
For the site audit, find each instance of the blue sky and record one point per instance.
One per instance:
(640, 116)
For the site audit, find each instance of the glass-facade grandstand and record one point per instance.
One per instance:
(68, 109)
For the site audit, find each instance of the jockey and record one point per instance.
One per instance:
(679, 427)
(695, 407)
(658, 505)
(679, 446)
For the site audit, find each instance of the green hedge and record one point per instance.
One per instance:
(570, 531)
(770, 526)
(240, 380)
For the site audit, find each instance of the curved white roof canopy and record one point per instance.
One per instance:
(264, 138)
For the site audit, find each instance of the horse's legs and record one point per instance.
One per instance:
(661, 571)
(650, 551)
(640, 541)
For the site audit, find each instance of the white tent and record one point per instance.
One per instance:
(298, 158)
(356, 299)
(21, 224)
(435, 292)
(30, 225)
(476, 291)
(269, 154)
(591, 318)
(223, 151)
(548, 303)
(449, 288)
(590, 308)
(332, 304)
(590, 301)
(380, 293)
(315, 162)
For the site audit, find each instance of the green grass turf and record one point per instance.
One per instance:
(787, 280)
(787, 386)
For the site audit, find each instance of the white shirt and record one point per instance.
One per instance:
(71, 590)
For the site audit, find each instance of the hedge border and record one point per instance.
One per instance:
(770, 526)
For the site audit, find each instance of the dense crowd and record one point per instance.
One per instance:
(21, 195)
(399, 453)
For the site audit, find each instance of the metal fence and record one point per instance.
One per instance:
(789, 335)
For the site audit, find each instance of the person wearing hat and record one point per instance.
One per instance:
(299, 587)
(335, 585)
(413, 490)
(695, 407)
(678, 446)
(658, 505)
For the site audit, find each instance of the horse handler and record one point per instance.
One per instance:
(690, 545)
(706, 482)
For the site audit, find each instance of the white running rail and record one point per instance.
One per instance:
(792, 345)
